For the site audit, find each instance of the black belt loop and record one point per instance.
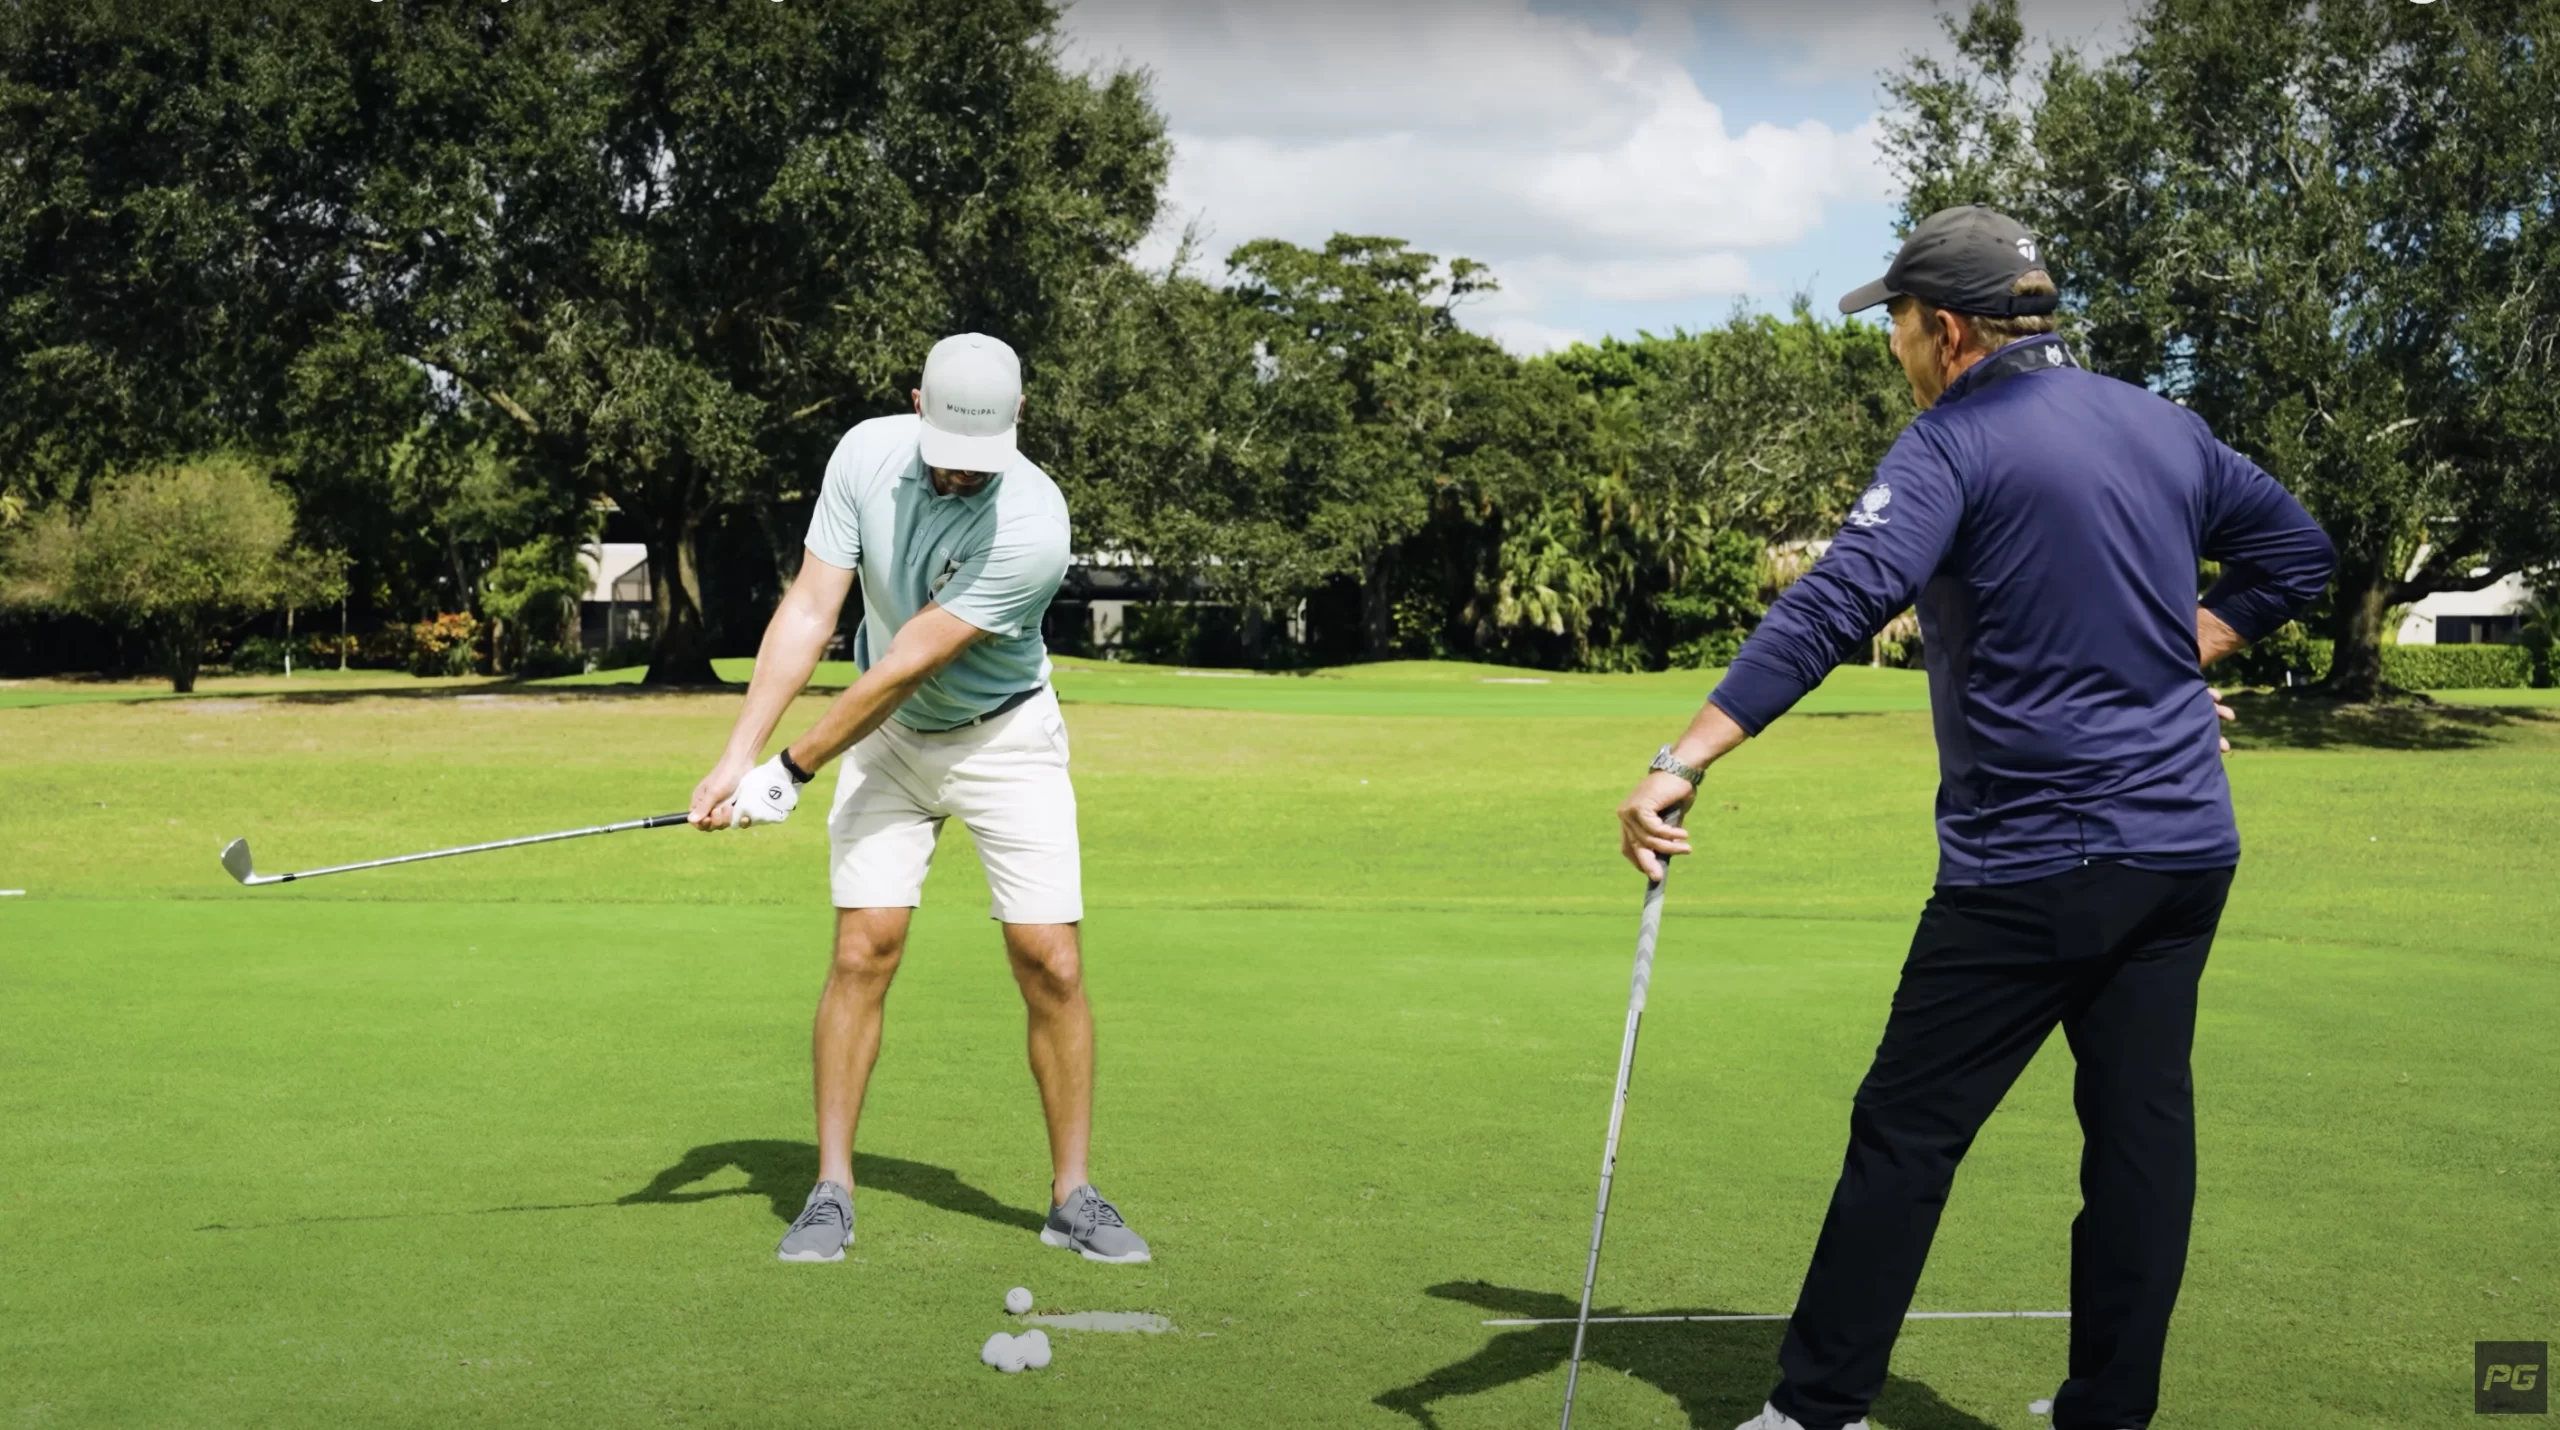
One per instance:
(1011, 702)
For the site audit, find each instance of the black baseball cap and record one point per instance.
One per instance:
(1963, 259)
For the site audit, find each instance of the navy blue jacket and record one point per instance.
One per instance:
(2049, 522)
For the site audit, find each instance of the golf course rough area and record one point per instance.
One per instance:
(507, 1140)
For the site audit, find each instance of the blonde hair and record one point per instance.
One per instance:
(1986, 331)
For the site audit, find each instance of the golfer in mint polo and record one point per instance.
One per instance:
(2049, 523)
(959, 543)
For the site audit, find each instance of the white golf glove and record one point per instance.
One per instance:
(766, 796)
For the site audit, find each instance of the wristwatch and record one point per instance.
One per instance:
(800, 776)
(1665, 761)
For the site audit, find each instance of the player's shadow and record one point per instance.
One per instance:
(782, 1173)
(1719, 1372)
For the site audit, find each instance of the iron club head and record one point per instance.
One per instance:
(235, 859)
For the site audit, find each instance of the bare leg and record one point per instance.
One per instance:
(846, 1040)
(1048, 965)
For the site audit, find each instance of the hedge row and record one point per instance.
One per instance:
(2443, 667)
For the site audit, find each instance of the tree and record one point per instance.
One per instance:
(531, 597)
(177, 553)
(152, 287)
(1363, 335)
(1705, 449)
(2332, 229)
(1169, 437)
(681, 246)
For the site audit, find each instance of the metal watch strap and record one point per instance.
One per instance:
(800, 776)
(1669, 763)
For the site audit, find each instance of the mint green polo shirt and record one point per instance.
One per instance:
(993, 558)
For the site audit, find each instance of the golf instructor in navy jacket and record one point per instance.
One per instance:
(2048, 523)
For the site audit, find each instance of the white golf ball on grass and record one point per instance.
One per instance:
(1018, 1300)
(1005, 1353)
(1035, 1348)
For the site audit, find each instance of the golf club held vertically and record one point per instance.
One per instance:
(1648, 929)
(235, 855)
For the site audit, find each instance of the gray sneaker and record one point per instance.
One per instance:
(824, 1227)
(1091, 1228)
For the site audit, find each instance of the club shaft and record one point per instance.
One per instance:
(655, 821)
(1647, 932)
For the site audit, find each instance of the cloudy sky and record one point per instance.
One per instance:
(1632, 165)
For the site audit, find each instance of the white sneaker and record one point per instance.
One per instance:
(1770, 1418)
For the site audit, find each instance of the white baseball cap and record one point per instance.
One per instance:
(972, 390)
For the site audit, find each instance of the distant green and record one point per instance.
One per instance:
(506, 1141)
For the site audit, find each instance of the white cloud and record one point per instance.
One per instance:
(1528, 337)
(1573, 152)
(1580, 164)
(1851, 40)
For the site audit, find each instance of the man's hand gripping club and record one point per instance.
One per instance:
(739, 791)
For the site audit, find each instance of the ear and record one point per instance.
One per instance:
(918, 395)
(1018, 404)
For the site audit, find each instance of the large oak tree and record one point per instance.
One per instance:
(2331, 228)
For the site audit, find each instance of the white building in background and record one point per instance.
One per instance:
(618, 603)
(2488, 616)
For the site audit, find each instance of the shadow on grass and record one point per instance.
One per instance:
(1720, 1373)
(783, 1172)
(2296, 722)
(495, 689)
(779, 1172)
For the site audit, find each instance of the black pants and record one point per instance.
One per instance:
(2111, 953)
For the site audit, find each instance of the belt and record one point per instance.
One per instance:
(1017, 698)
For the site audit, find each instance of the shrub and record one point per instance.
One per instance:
(445, 645)
(1623, 659)
(1715, 648)
(2457, 667)
(1159, 633)
(623, 655)
(174, 554)
(2269, 660)
(390, 648)
(258, 655)
(531, 599)
(320, 652)
(2443, 667)
(542, 662)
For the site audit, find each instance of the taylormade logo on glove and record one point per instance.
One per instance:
(766, 796)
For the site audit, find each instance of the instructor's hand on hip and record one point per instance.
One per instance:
(1644, 836)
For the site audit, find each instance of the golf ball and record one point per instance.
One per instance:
(1003, 1352)
(1018, 1300)
(1035, 1349)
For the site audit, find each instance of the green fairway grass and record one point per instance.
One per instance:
(507, 1140)
(23, 694)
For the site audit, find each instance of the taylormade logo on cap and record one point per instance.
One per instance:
(972, 389)
(1966, 258)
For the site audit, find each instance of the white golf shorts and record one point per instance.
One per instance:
(1005, 778)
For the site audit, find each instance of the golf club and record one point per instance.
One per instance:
(1647, 930)
(235, 855)
(1773, 1316)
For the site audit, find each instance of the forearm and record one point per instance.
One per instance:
(793, 641)
(1709, 738)
(2215, 638)
(923, 647)
(858, 711)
